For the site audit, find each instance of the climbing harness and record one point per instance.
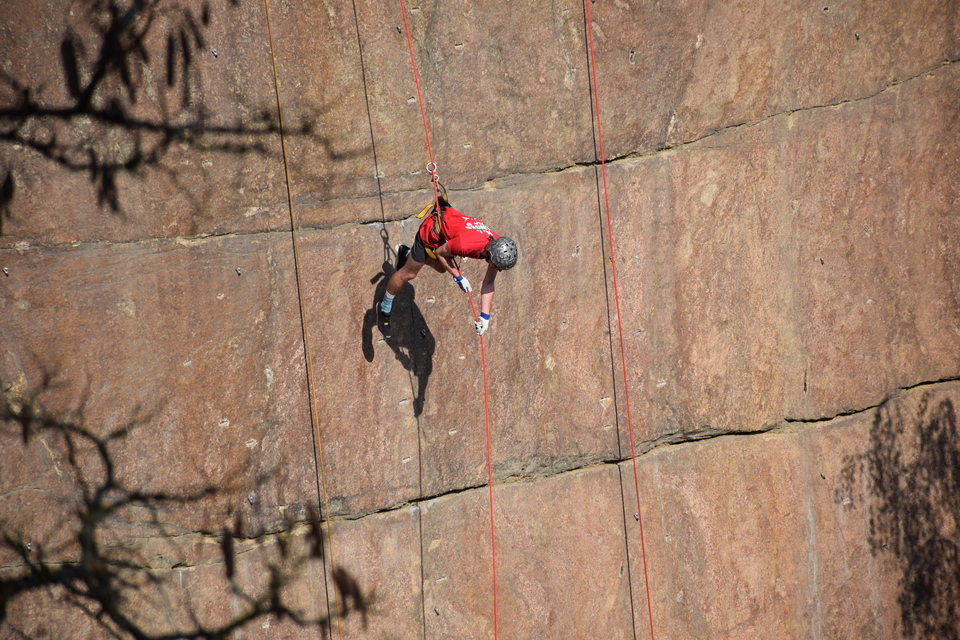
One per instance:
(435, 183)
(435, 211)
(311, 384)
(616, 292)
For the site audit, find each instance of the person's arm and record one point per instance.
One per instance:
(487, 288)
(443, 257)
(443, 254)
(486, 300)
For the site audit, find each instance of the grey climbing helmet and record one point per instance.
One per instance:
(502, 252)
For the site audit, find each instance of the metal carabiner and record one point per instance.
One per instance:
(434, 176)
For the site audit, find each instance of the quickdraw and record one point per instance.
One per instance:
(434, 176)
(431, 209)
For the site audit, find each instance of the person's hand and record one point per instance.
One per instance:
(463, 283)
(482, 323)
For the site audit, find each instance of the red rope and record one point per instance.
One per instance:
(616, 295)
(486, 423)
(435, 180)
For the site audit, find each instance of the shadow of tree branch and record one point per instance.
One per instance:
(127, 105)
(109, 583)
(911, 470)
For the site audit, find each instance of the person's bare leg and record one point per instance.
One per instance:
(435, 264)
(407, 273)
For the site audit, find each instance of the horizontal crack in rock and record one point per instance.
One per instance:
(667, 148)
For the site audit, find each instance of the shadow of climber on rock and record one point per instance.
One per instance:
(411, 340)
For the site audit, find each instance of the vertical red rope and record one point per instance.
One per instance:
(616, 295)
(423, 110)
(486, 423)
(483, 353)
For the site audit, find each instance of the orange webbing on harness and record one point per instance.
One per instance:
(437, 215)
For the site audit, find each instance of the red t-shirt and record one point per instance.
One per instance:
(465, 235)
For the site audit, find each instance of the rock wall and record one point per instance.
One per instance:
(784, 182)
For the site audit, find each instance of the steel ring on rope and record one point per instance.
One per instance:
(434, 176)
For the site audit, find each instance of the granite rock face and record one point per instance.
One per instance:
(781, 533)
(167, 127)
(207, 403)
(200, 205)
(761, 284)
(675, 72)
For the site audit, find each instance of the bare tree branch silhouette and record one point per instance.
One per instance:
(105, 581)
(118, 118)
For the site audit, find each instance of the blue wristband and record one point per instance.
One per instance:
(485, 316)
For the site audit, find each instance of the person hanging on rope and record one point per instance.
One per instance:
(444, 235)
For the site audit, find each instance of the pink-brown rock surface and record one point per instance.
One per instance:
(760, 287)
(191, 366)
(191, 348)
(321, 79)
(780, 534)
(558, 541)
(504, 86)
(675, 72)
(379, 553)
(179, 141)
